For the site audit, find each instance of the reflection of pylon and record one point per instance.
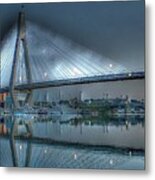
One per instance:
(21, 38)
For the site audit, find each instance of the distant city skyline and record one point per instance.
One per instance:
(133, 88)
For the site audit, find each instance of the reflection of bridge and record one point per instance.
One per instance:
(28, 153)
(45, 60)
(32, 150)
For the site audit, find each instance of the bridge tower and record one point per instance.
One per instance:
(21, 39)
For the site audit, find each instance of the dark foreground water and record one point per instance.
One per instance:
(69, 142)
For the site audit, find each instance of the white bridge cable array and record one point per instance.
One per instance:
(6, 56)
(52, 57)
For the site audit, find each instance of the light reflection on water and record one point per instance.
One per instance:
(122, 132)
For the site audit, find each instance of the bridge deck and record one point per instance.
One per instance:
(84, 80)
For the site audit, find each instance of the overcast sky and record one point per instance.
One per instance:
(114, 29)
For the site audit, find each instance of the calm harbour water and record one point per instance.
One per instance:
(67, 142)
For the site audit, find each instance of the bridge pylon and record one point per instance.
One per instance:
(21, 39)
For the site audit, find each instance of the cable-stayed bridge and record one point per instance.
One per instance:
(33, 57)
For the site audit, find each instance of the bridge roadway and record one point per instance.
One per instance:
(75, 81)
